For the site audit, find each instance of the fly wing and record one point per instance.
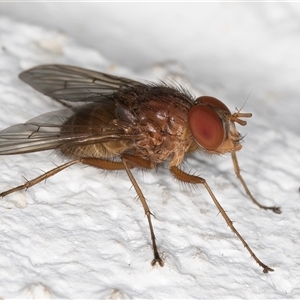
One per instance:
(44, 133)
(70, 84)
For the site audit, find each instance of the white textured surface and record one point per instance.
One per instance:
(83, 234)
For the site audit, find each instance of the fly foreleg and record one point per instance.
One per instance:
(237, 171)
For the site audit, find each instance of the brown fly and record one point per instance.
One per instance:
(114, 123)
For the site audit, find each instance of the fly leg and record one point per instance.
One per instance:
(103, 164)
(237, 171)
(132, 161)
(128, 162)
(182, 176)
(38, 179)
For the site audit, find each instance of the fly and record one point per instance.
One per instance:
(115, 123)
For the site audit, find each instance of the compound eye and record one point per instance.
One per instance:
(206, 126)
(213, 102)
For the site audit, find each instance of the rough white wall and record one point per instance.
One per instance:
(83, 234)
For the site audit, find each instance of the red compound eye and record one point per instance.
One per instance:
(206, 126)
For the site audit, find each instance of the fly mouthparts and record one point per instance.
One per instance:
(235, 117)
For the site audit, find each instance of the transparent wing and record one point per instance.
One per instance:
(72, 84)
(44, 133)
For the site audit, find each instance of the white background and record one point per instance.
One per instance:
(83, 234)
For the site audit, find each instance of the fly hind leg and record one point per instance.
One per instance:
(38, 179)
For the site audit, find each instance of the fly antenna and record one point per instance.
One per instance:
(236, 116)
(239, 110)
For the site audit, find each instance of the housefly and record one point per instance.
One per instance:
(115, 123)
